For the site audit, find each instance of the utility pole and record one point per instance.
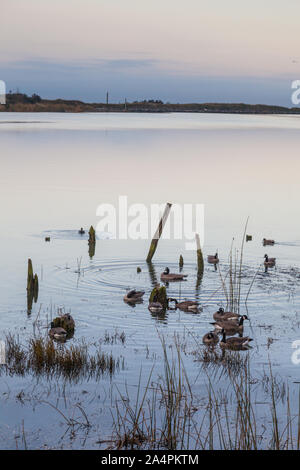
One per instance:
(107, 98)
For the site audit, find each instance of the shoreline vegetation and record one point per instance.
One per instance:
(20, 102)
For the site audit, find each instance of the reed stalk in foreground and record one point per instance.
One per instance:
(169, 416)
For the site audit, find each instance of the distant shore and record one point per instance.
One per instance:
(19, 102)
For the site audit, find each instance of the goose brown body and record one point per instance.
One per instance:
(268, 242)
(186, 305)
(167, 276)
(230, 327)
(134, 296)
(221, 315)
(269, 262)
(213, 259)
(235, 343)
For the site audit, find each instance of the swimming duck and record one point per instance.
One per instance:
(57, 332)
(221, 315)
(81, 231)
(268, 242)
(269, 262)
(235, 343)
(186, 305)
(210, 339)
(167, 276)
(134, 296)
(213, 259)
(230, 327)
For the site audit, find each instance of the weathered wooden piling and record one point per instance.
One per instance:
(158, 232)
(29, 276)
(181, 261)
(92, 241)
(200, 262)
(92, 235)
(159, 294)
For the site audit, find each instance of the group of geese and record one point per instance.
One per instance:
(133, 297)
(228, 324)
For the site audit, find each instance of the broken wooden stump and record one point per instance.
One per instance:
(181, 261)
(158, 232)
(159, 294)
(200, 262)
(92, 241)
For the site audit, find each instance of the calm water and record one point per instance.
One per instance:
(56, 169)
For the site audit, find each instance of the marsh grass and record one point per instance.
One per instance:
(167, 415)
(232, 281)
(43, 356)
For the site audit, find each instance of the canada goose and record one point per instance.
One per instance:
(269, 262)
(155, 307)
(230, 327)
(213, 259)
(186, 305)
(57, 332)
(236, 343)
(268, 242)
(167, 276)
(134, 296)
(81, 231)
(210, 339)
(220, 315)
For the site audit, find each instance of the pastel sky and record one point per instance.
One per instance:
(179, 51)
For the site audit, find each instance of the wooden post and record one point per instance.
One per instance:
(159, 294)
(181, 261)
(92, 241)
(158, 232)
(29, 276)
(200, 261)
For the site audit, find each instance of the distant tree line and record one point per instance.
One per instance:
(12, 98)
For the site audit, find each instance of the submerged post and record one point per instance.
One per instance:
(200, 261)
(158, 232)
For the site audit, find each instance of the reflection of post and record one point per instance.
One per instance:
(158, 232)
(32, 287)
(152, 273)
